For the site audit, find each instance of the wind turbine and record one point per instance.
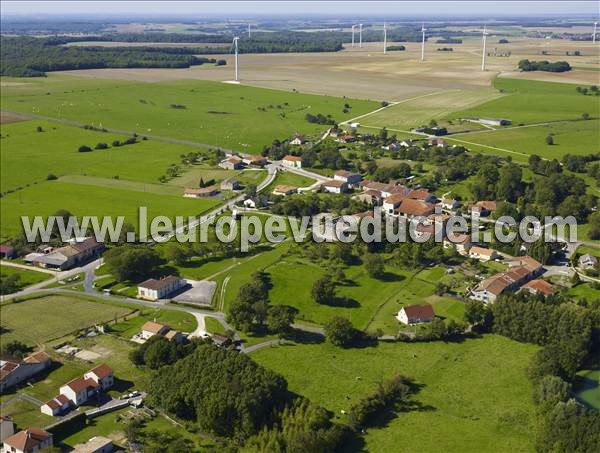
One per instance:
(384, 38)
(485, 33)
(234, 44)
(248, 30)
(594, 35)
(423, 29)
(353, 27)
(360, 35)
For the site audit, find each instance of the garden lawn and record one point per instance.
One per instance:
(237, 117)
(473, 396)
(288, 178)
(178, 320)
(40, 319)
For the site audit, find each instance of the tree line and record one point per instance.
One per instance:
(545, 65)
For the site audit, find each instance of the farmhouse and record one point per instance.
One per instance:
(352, 179)
(254, 160)
(292, 161)
(56, 406)
(284, 190)
(484, 207)
(220, 340)
(449, 203)
(175, 335)
(372, 197)
(74, 254)
(346, 138)
(101, 375)
(13, 373)
(439, 142)
(482, 254)
(80, 390)
(230, 184)
(200, 192)
(416, 314)
(231, 163)
(7, 252)
(298, 140)
(414, 208)
(335, 186)
(29, 440)
(151, 328)
(462, 242)
(392, 202)
(153, 289)
(588, 261)
(423, 195)
(539, 286)
(97, 444)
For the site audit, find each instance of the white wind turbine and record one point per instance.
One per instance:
(384, 38)
(423, 30)
(234, 44)
(353, 27)
(360, 35)
(249, 31)
(594, 35)
(485, 33)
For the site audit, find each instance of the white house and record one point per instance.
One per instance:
(352, 179)
(292, 161)
(298, 140)
(231, 163)
(14, 372)
(153, 289)
(482, 253)
(284, 190)
(151, 328)
(29, 440)
(449, 203)
(335, 186)
(416, 314)
(56, 406)
(79, 390)
(230, 184)
(101, 375)
(588, 261)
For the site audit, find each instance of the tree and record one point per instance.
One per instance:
(177, 254)
(10, 284)
(101, 146)
(374, 265)
(343, 252)
(323, 290)
(132, 262)
(340, 331)
(201, 184)
(84, 149)
(549, 140)
(585, 116)
(509, 186)
(309, 158)
(551, 390)
(475, 312)
(250, 190)
(280, 319)
(15, 348)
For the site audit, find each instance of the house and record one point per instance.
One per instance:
(335, 186)
(292, 161)
(449, 203)
(97, 444)
(416, 314)
(232, 163)
(7, 427)
(220, 340)
(352, 179)
(462, 242)
(385, 189)
(482, 254)
(254, 160)
(200, 192)
(533, 266)
(80, 390)
(484, 207)
(423, 195)
(101, 375)
(175, 335)
(29, 440)
(407, 143)
(440, 143)
(372, 197)
(284, 190)
(410, 208)
(151, 328)
(539, 286)
(76, 253)
(588, 261)
(7, 252)
(56, 406)
(13, 373)
(392, 202)
(230, 184)
(520, 271)
(298, 140)
(153, 289)
(346, 138)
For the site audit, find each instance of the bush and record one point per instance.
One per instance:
(84, 149)
(51, 177)
(101, 146)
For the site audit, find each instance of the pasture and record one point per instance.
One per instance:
(26, 277)
(47, 197)
(288, 178)
(225, 115)
(471, 396)
(61, 316)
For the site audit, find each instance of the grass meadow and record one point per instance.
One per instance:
(214, 113)
(471, 396)
(26, 277)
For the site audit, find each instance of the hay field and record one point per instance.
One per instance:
(368, 74)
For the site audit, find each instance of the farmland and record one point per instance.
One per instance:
(229, 116)
(472, 395)
(26, 277)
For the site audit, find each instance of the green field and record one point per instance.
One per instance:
(178, 320)
(29, 156)
(216, 113)
(473, 396)
(528, 102)
(26, 277)
(288, 178)
(46, 198)
(41, 319)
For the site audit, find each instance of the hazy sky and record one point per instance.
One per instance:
(290, 8)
